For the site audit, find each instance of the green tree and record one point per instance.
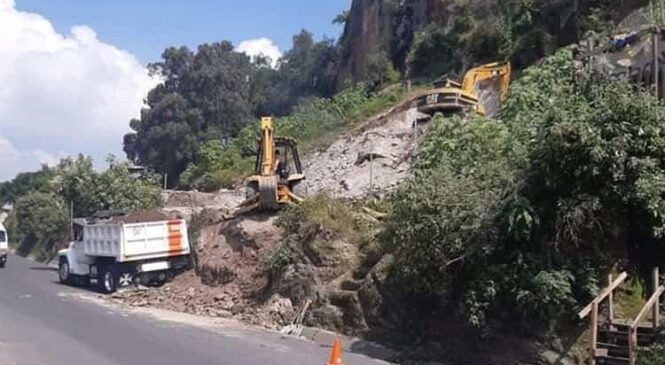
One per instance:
(379, 71)
(306, 70)
(40, 223)
(24, 183)
(207, 94)
(341, 18)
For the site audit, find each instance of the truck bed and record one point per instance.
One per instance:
(136, 241)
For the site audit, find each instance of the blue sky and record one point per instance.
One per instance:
(146, 27)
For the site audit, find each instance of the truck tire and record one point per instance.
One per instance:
(107, 279)
(64, 271)
(2, 265)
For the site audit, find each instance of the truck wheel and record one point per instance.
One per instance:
(107, 280)
(2, 265)
(125, 279)
(63, 272)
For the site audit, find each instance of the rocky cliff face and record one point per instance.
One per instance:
(390, 26)
(380, 25)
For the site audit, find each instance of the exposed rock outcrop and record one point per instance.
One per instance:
(391, 26)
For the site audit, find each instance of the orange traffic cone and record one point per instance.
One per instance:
(336, 354)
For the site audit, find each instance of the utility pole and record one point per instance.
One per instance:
(166, 179)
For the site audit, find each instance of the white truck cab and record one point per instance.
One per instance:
(4, 246)
(118, 254)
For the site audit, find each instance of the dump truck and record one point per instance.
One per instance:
(4, 246)
(117, 253)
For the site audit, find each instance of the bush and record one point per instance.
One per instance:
(217, 167)
(433, 53)
(655, 355)
(39, 224)
(521, 218)
(323, 211)
(448, 210)
(278, 259)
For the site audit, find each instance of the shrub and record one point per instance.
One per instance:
(448, 210)
(40, 223)
(655, 355)
(522, 217)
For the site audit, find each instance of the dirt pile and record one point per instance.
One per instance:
(229, 280)
(187, 203)
(189, 295)
(142, 216)
(251, 270)
(374, 159)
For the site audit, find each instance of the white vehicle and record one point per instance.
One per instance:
(4, 246)
(119, 254)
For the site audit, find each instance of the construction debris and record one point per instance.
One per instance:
(371, 161)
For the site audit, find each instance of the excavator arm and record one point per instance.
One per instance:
(500, 70)
(267, 150)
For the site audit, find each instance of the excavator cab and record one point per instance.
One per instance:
(278, 177)
(474, 94)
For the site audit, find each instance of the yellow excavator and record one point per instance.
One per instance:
(278, 178)
(451, 97)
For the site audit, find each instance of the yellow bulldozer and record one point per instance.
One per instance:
(450, 97)
(278, 179)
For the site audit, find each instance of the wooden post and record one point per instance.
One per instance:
(656, 306)
(594, 333)
(632, 344)
(610, 299)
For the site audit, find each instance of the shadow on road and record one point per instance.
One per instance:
(90, 289)
(43, 268)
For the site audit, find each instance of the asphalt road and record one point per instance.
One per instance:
(45, 323)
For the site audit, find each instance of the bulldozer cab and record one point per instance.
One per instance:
(286, 162)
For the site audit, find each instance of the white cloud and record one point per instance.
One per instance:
(62, 92)
(13, 160)
(260, 46)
